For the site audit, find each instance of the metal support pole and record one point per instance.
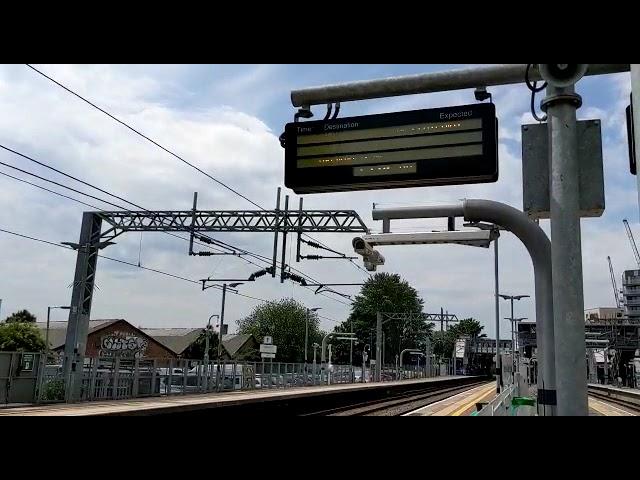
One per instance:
(306, 338)
(284, 240)
(513, 346)
(635, 94)
(568, 302)
(457, 79)
(206, 345)
(539, 248)
(46, 339)
(275, 235)
(384, 342)
(299, 231)
(193, 221)
(351, 345)
(497, 308)
(378, 346)
(81, 300)
(221, 375)
(364, 366)
(315, 346)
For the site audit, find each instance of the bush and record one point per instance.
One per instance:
(53, 390)
(20, 337)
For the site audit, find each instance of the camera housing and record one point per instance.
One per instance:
(371, 257)
(562, 75)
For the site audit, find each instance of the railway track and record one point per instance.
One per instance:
(398, 404)
(631, 406)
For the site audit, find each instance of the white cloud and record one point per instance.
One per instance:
(227, 140)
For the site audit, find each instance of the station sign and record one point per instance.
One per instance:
(439, 146)
(268, 348)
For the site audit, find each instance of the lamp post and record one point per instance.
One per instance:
(514, 337)
(206, 342)
(495, 229)
(224, 295)
(306, 333)
(512, 298)
(315, 347)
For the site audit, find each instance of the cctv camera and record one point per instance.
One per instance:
(361, 247)
(371, 257)
(562, 75)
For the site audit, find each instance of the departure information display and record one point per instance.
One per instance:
(442, 146)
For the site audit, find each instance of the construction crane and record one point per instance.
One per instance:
(632, 241)
(613, 283)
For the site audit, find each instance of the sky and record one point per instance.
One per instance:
(226, 119)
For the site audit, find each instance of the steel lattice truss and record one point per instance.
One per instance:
(341, 221)
(431, 317)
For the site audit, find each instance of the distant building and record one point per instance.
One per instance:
(179, 340)
(117, 337)
(603, 313)
(631, 294)
(109, 338)
(240, 347)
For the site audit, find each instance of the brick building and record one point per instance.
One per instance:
(110, 338)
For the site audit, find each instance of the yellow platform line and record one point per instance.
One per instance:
(481, 396)
(598, 405)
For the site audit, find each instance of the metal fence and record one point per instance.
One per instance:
(19, 373)
(500, 405)
(503, 404)
(111, 378)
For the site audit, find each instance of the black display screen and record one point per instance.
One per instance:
(441, 146)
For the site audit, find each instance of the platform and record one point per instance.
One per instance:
(461, 404)
(601, 408)
(201, 402)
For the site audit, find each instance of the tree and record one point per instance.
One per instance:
(23, 316)
(20, 337)
(468, 326)
(384, 292)
(284, 320)
(443, 343)
(197, 348)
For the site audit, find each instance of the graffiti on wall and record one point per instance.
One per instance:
(122, 344)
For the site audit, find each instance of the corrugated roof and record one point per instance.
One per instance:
(175, 339)
(58, 330)
(233, 343)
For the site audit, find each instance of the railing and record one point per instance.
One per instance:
(110, 378)
(500, 405)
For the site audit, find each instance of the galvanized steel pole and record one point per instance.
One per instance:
(378, 345)
(539, 248)
(568, 302)
(429, 82)
(513, 346)
(306, 338)
(635, 90)
(497, 300)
